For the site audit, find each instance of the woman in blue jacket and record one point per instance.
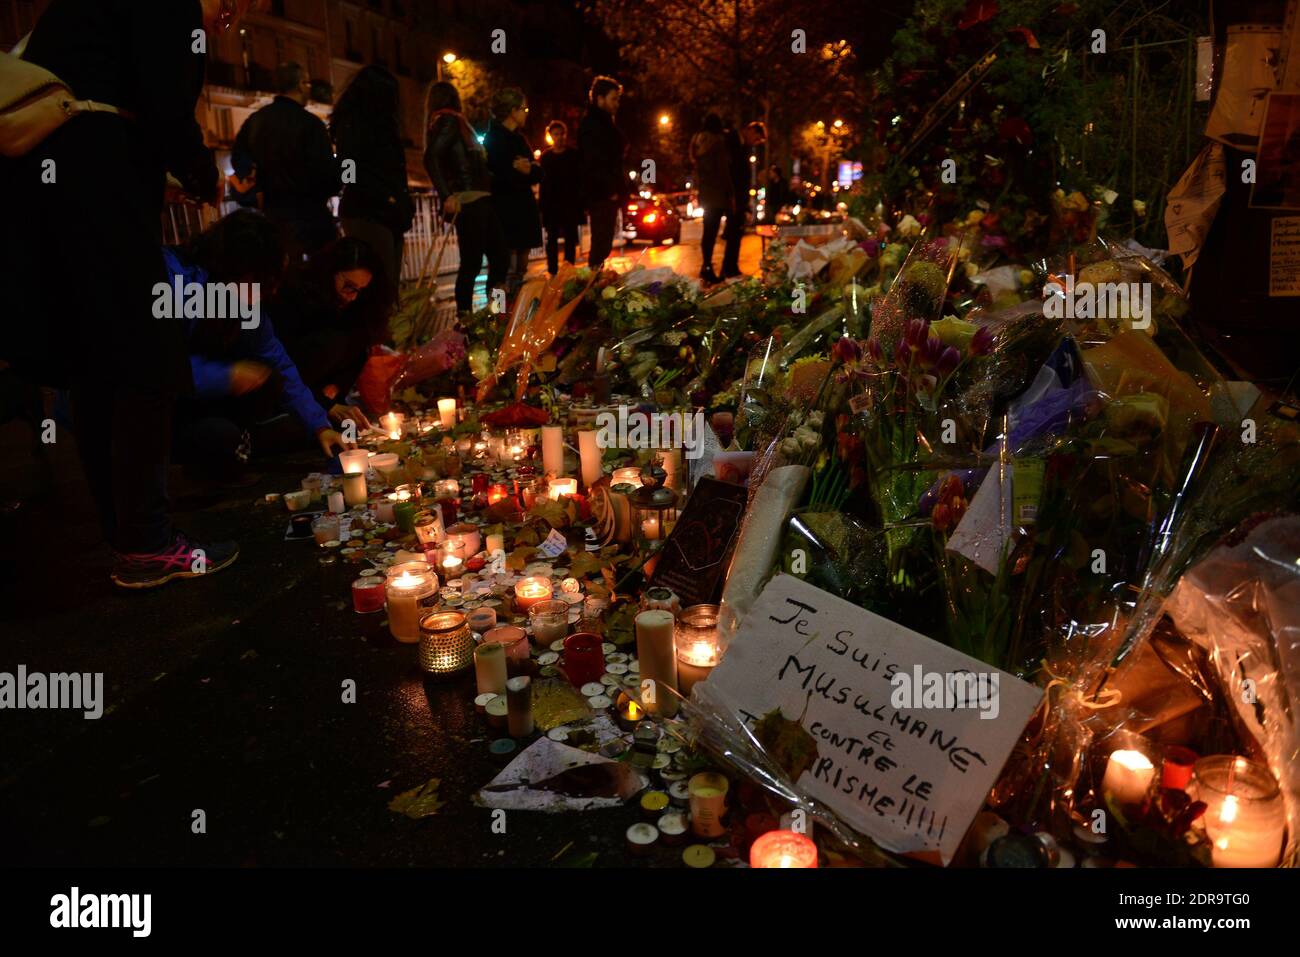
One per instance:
(244, 380)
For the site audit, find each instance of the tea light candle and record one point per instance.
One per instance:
(490, 667)
(629, 715)
(530, 591)
(1128, 775)
(641, 838)
(783, 849)
(519, 704)
(628, 474)
(589, 455)
(405, 593)
(562, 488)
(656, 650)
(447, 413)
(354, 489)
(1245, 817)
(553, 449)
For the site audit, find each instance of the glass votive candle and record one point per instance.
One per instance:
(1245, 817)
(408, 568)
(408, 596)
(446, 644)
(497, 493)
(562, 488)
(783, 849)
(584, 659)
(549, 620)
(515, 640)
(428, 528)
(409, 492)
(451, 559)
(312, 486)
(325, 528)
(478, 483)
(447, 488)
(388, 465)
(631, 474)
(698, 645)
(391, 422)
(482, 620)
(404, 512)
(354, 460)
(368, 594)
(530, 591)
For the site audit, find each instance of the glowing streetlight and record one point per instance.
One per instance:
(838, 123)
(449, 58)
(664, 119)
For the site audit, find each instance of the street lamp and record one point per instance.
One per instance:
(448, 58)
(664, 119)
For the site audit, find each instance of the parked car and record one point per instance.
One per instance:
(651, 219)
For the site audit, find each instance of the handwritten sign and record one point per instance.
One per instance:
(699, 546)
(1284, 257)
(910, 777)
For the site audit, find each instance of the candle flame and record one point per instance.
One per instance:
(1228, 813)
(633, 710)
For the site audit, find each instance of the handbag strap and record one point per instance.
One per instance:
(72, 106)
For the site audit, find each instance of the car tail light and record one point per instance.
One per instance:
(631, 207)
(649, 217)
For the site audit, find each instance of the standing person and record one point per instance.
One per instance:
(367, 129)
(713, 178)
(739, 145)
(601, 147)
(90, 262)
(514, 172)
(561, 197)
(288, 152)
(457, 165)
(776, 193)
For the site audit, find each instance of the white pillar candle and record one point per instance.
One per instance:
(384, 508)
(490, 668)
(650, 528)
(496, 542)
(656, 651)
(1128, 775)
(562, 488)
(336, 502)
(589, 454)
(447, 413)
(553, 450)
(519, 702)
(354, 489)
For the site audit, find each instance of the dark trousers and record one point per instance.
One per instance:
(123, 437)
(387, 244)
(304, 233)
(732, 236)
(569, 233)
(478, 234)
(604, 219)
(209, 433)
(518, 269)
(712, 221)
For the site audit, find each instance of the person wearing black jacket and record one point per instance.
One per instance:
(376, 205)
(83, 254)
(288, 152)
(601, 147)
(514, 173)
(457, 165)
(561, 197)
(739, 146)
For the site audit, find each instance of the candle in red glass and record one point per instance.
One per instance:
(584, 660)
(783, 849)
(448, 506)
(479, 482)
(497, 493)
(368, 594)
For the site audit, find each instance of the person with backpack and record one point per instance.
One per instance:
(82, 255)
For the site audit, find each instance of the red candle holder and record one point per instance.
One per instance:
(584, 660)
(479, 482)
(368, 594)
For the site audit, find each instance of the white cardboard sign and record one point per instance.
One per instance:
(911, 778)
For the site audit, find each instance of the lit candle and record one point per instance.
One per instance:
(447, 488)
(783, 849)
(656, 651)
(490, 667)
(1245, 817)
(447, 413)
(354, 460)
(629, 474)
(553, 449)
(530, 591)
(405, 593)
(519, 704)
(354, 489)
(589, 455)
(650, 528)
(694, 663)
(562, 488)
(549, 620)
(1128, 775)
(497, 493)
(392, 424)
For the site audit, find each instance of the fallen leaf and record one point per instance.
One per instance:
(418, 802)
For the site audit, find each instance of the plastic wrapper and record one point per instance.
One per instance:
(1241, 603)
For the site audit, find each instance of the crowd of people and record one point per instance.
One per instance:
(216, 392)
